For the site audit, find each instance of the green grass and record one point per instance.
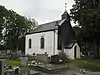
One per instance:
(90, 64)
(12, 62)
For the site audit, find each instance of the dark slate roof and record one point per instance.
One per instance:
(65, 13)
(47, 26)
(70, 44)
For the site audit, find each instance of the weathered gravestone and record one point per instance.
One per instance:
(23, 60)
(19, 53)
(8, 51)
(2, 66)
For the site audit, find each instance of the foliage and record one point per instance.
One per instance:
(13, 27)
(87, 14)
(78, 31)
(63, 57)
(59, 59)
(3, 11)
(13, 56)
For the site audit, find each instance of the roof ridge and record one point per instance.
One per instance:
(49, 22)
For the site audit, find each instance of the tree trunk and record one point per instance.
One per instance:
(85, 48)
(91, 48)
(95, 48)
(17, 47)
(99, 49)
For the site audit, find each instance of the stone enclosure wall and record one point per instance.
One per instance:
(41, 57)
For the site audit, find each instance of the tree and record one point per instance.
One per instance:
(17, 27)
(3, 14)
(3, 20)
(78, 34)
(87, 14)
(13, 28)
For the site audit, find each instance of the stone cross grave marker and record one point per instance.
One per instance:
(2, 66)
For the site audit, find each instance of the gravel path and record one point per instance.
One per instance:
(73, 72)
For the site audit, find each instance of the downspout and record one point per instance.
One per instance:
(54, 44)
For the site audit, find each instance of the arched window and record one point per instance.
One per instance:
(42, 43)
(30, 43)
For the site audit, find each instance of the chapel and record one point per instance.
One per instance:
(52, 38)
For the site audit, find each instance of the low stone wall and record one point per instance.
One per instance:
(41, 58)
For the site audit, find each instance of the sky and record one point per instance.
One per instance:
(42, 11)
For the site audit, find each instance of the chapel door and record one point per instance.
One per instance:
(75, 48)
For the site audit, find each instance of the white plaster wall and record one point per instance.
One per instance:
(78, 53)
(70, 52)
(49, 45)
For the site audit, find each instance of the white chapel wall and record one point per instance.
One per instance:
(78, 53)
(49, 45)
(69, 53)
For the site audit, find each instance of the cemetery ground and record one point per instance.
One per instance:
(73, 67)
(12, 62)
(70, 67)
(87, 63)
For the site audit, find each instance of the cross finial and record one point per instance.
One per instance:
(65, 6)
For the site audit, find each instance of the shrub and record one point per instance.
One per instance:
(13, 56)
(58, 59)
(63, 57)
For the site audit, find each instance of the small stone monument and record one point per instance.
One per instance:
(2, 66)
(23, 60)
(19, 53)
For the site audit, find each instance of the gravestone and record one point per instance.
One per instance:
(23, 60)
(8, 51)
(2, 66)
(19, 53)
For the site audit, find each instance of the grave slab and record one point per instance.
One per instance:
(32, 72)
(49, 68)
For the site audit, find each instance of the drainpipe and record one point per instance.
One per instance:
(54, 44)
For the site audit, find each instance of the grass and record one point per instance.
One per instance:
(90, 64)
(12, 62)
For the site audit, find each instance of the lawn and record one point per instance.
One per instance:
(90, 64)
(12, 62)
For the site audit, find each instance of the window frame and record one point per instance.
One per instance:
(42, 43)
(29, 43)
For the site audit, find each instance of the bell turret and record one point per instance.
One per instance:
(65, 15)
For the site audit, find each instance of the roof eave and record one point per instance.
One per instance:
(41, 31)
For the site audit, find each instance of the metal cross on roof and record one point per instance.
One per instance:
(65, 6)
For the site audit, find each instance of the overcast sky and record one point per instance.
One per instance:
(41, 10)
